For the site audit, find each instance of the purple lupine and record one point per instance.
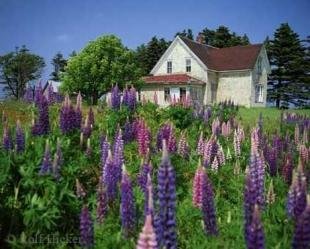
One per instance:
(29, 95)
(183, 147)
(128, 135)
(145, 169)
(249, 200)
(38, 93)
(6, 139)
(86, 229)
(297, 196)
(210, 151)
(20, 138)
(118, 154)
(42, 125)
(166, 132)
(46, 165)
(50, 94)
(197, 186)
(255, 233)
(287, 169)
(104, 149)
(87, 128)
(115, 98)
(216, 127)
(301, 239)
(79, 189)
(127, 205)
(207, 114)
(58, 161)
(102, 203)
(271, 158)
(208, 207)
(167, 201)
(110, 178)
(125, 99)
(67, 116)
(132, 98)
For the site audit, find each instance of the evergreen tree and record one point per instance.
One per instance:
(186, 33)
(289, 79)
(59, 63)
(148, 55)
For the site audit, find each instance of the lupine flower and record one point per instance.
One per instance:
(167, 201)
(50, 94)
(147, 238)
(255, 233)
(104, 149)
(210, 151)
(145, 169)
(166, 132)
(125, 96)
(86, 229)
(226, 129)
(249, 199)
(270, 194)
(28, 95)
(271, 158)
(127, 205)
(38, 92)
(208, 208)
(216, 127)
(80, 192)
(200, 145)
(128, 134)
(303, 153)
(215, 164)
(207, 114)
(132, 98)
(110, 177)
(46, 165)
(297, 196)
(20, 138)
(78, 112)
(220, 155)
(237, 144)
(301, 238)
(255, 141)
(143, 137)
(197, 186)
(115, 98)
(68, 118)
(287, 169)
(42, 126)
(183, 148)
(118, 153)
(6, 139)
(58, 161)
(102, 203)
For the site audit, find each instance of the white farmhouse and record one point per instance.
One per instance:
(209, 75)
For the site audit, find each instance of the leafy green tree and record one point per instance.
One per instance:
(98, 66)
(148, 55)
(59, 63)
(19, 67)
(289, 79)
(222, 37)
(186, 33)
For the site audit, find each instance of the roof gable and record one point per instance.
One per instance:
(225, 59)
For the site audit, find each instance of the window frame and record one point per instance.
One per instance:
(259, 65)
(169, 66)
(259, 93)
(188, 68)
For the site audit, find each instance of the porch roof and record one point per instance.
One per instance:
(172, 79)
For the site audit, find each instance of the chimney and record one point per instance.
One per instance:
(200, 38)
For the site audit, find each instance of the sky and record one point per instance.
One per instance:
(50, 26)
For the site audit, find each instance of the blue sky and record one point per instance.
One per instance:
(49, 26)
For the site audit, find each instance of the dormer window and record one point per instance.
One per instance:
(169, 66)
(188, 65)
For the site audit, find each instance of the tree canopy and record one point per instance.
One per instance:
(289, 80)
(102, 63)
(59, 63)
(19, 67)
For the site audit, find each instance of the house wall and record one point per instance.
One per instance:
(235, 86)
(178, 53)
(260, 79)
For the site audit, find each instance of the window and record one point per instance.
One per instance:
(188, 65)
(259, 65)
(182, 94)
(169, 66)
(259, 94)
(167, 94)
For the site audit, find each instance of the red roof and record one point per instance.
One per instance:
(172, 79)
(225, 59)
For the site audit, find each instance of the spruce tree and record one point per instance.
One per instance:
(289, 75)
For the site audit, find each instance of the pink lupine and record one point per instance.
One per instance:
(147, 238)
(237, 144)
(220, 155)
(200, 145)
(215, 164)
(143, 137)
(183, 148)
(303, 153)
(255, 140)
(197, 186)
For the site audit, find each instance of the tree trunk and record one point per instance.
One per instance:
(94, 99)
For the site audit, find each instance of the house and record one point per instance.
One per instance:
(206, 74)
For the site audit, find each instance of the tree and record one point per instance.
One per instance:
(289, 79)
(59, 63)
(222, 37)
(148, 55)
(185, 33)
(19, 67)
(98, 66)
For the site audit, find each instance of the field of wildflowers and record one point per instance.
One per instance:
(132, 175)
